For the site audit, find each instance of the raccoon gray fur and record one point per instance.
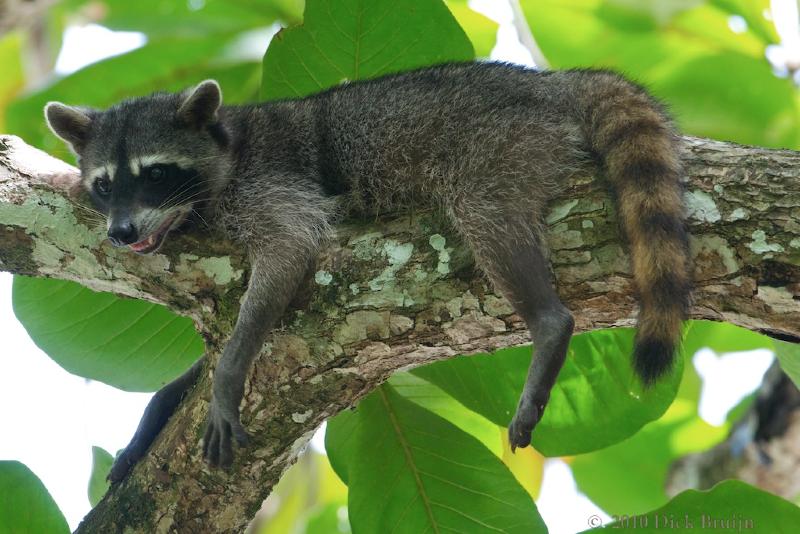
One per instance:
(488, 143)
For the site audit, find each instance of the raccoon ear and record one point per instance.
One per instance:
(200, 107)
(69, 123)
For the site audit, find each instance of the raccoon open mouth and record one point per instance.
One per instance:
(153, 241)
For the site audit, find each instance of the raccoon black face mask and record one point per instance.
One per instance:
(490, 144)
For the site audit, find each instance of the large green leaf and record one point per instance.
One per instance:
(788, 355)
(721, 338)
(193, 17)
(101, 465)
(340, 444)
(25, 504)
(644, 459)
(437, 401)
(597, 400)
(717, 83)
(647, 456)
(415, 472)
(349, 40)
(13, 78)
(130, 344)
(482, 31)
(730, 506)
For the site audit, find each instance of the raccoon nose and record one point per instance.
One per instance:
(122, 233)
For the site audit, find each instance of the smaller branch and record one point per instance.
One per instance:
(526, 36)
(762, 449)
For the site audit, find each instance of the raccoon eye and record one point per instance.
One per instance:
(102, 185)
(156, 173)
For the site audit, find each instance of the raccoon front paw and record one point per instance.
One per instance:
(519, 431)
(126, 459)
(222, 427)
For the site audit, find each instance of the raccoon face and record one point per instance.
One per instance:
(147, 163)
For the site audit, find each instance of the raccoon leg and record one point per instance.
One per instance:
(158, 411)
(509, 251)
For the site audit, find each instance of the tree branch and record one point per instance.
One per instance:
(386, 296)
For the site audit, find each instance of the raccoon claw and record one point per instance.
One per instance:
(221, 429)
(522, 425)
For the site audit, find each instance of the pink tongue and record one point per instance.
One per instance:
(142, 244)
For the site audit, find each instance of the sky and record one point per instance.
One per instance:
(51, 418)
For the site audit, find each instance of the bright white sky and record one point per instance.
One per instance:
(51, 419)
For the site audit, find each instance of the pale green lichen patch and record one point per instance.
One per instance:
(560, 211)
(49, 219)
(398, 255)
(700, 206)
(45, 254)
(710, 252)
(364, 245)
(354, 289)
(438, 242)
(361, 325)
(496, 306)
(561, 237)
(454, 306)
(795, 243)
(324, 278)
(217, 269)
(302, 417)
(759, 244)
(586, 223)
(738, 214)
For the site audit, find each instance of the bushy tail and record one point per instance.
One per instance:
(638, 148)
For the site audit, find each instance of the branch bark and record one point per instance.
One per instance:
(386, 296)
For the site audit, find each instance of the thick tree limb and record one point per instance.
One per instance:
(386, 296)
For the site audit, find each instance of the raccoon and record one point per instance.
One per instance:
(487, 143)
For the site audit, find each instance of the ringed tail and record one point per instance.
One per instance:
(640, 154)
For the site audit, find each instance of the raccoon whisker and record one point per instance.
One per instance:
(195, 197)
(89, 209)
(181, 191)
(201, 218)
(182, 195)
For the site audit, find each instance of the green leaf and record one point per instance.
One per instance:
(101, 465)
(482, 31)
(417, 472)
(437, 401)
(25, 504)
(732, 96)
(349, 40)
(13, 79)
(340, 444)
(597, 400)
(752, 12)
(129, 344)
(717, 83)
(788, 355)
(158, 18)
(721, 338)
(730, 506)
(644, 459)
(326, 520)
